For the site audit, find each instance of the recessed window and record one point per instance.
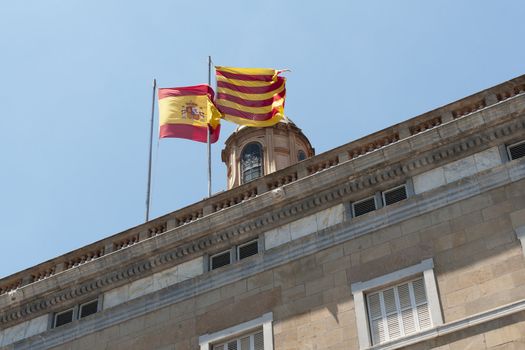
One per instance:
(254, 341)
(256, 334)
(88, 308)
(398, 311)
(396, 305)
(364, 206)
(76, 312)
(395, 195)
(220, 260)
(63, 317)
(251, 162)
(516, 150)
(301, 155)
(247, 249)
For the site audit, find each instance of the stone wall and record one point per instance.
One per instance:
(479, 266)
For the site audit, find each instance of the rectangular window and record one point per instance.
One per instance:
(516, 150)
(247, 249)
(398, 304)
(398, 311)
(364, 206)
(220, 260)
(254, 341)
(88, 308)
(63, 318)
(256, 334)
(395, 195)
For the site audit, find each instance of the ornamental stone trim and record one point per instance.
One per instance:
(293, 250)
(348, 181)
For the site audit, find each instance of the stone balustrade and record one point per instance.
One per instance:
(284, 177)
(425, 125)
(510, 92)
(468, 109)
(283, 180)
(225, 200)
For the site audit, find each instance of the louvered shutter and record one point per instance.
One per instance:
(398, 311)
(245, 343)
(364, 206)
(395, 195)
(232, 345)
(220, 260)
(248, 249)
(407, 312)
(258, 341)
(517, 151)
(376, 320)
(420, 297)
(254, 341)
(392, 320)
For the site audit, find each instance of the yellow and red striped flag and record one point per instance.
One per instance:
(188, 113)
(250, 96)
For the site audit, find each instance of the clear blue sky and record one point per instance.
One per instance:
(76, 84)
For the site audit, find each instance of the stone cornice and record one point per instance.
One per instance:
(347, 181)
(350, 229)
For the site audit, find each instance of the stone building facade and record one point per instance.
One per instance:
(411, 237)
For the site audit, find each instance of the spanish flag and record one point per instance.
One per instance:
(188, 113)
(250, 96)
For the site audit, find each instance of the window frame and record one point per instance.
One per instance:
(210, 267)
(376, 204)
(238, 247)
(393, 189)
(507, 148)
(207, 341)
(73, 316)
(76, 312)
(80, 306)
(359, 290)
(299, 152)
(241, 162)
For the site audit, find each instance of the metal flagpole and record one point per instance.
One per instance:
(209, 136)
(148, 193)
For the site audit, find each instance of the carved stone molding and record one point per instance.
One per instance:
(344, 188)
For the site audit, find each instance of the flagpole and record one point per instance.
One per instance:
(148, 193)
(209, 136)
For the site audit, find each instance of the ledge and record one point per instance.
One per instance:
(179, 236)
(455, 326)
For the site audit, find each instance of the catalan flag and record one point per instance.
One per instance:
(250, 96)
(188, 113)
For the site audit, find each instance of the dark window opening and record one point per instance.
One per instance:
(248, 249)
(220, 260)
(88, 308)
(63, 318)
(395, 195)
(301, 155)
(364, 206)
(251, 162)
(517, 150)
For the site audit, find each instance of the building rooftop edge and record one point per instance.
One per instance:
(225, 199)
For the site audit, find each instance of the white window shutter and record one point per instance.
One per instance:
(232, 345)
(258, 340)
(378, 331)
(245, 343)
(398, 311)
(374, 306)
(423, 316)
(420, 297)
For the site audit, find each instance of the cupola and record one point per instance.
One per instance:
(250, 153)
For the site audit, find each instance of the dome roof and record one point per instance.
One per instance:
(285, 120)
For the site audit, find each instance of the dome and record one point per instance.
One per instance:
(252, 152)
